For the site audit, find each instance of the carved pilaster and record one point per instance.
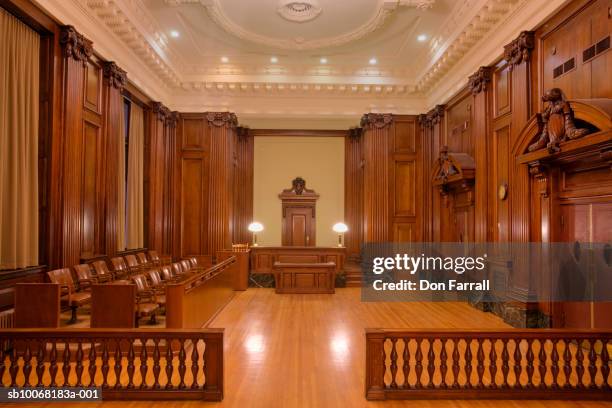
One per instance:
(115, 76)
(75, 45)
(479, 80)
(376, 120)
(519, 50)
(435, 115)
(220, 119)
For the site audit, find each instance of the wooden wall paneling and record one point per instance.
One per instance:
(243, 185)
(353, 192)
(405, 181)
(170, 238)
(114, 80)
(194, 138)
(425, 136)
(376, 153)
(480, 86)
(222, 126)
(436, 119)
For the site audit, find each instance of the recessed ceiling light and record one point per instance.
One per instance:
(323, 60)
(224, 60)
(373, 61)
(274, 60)
(422, 37)
(175, 34)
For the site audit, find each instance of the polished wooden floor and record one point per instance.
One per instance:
(309, 350)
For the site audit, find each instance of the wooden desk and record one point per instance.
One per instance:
(263, 258)
(305, 277)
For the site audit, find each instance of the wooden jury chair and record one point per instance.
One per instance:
(167, 273)
(143, 260)
(133, 265)
(148, 300)
(120, 269)
(103, 274)
(70, 297)
(154, 258)
(85, 277)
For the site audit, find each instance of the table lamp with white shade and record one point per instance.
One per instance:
(340, 228)
(255, 227)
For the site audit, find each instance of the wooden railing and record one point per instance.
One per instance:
(494, 364)
(125, 363)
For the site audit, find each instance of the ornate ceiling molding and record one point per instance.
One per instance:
(384, 10)
(299, 11)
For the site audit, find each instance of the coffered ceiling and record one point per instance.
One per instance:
(307, 58)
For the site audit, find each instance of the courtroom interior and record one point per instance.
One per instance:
(187, 188)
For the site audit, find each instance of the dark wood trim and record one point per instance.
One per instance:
(32, 15)
(299, 132)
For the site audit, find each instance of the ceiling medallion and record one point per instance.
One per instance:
(299, 11)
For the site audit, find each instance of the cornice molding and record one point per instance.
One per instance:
(116, 77)
(519, 50)
(479, 80)
(221, 119)
(376, 120)
(384, 10)
(75, 45)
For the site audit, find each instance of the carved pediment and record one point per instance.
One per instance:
(565, 128)
(298, 191)
(454, 171)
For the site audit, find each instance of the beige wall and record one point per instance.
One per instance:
(318, 160)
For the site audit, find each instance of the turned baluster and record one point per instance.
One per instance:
(580, 365)
(542, 363)
(443, 367)
(53, 364)
(480, 365)
(169, 365)
(418, 367)
(156, 366)
(79, 364)
(130, 365)
(605, 364)
(493, 363)
(468, 363)
(406, 365)
(195, 361)
(517, 363)
(505, 363)
(554, 367)
(143, 363)
(117, 365)
(14, 367)
(27, 365)
(592, 364)
(66, 365)
(567, 363)
(182, 365)
(91, 368)
(393, 365)
(530, 368)
(105, 364)
(431, 359)
(455, 363)
(40, 364)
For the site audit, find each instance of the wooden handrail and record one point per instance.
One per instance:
(494, 364)
(125, 363)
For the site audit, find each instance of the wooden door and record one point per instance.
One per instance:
(584, 223)
(299, 227)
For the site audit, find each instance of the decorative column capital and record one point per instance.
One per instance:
(435, 115)
(243, 133)
(172, 118)
(161, 111)
(376, 120)
(355, 133)
(424, 121)
(220, 119)
(519, 50)
(479, 80)
(75, 44)
(116, 76)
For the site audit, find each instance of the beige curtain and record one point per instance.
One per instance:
(135, 197)
(121, 182)
(19, 98)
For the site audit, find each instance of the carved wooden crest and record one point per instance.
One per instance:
(454, 170)
(75, 44)
(519, 50)
(556, 122)
(116, 76)
(479, 80)
(376, 120)
(298, 188)
(222, 119)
